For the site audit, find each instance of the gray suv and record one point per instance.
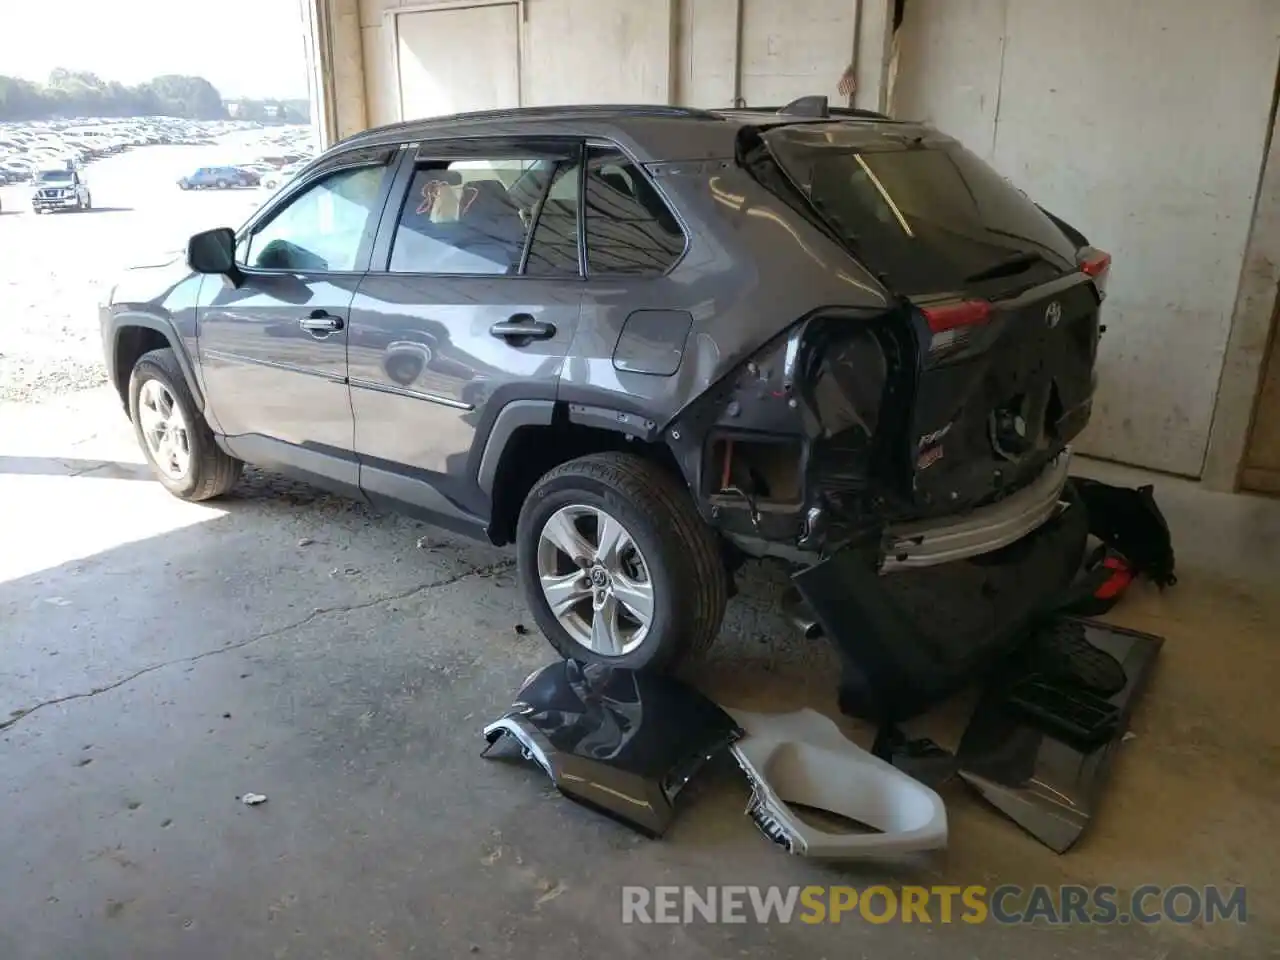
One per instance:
(640, 343)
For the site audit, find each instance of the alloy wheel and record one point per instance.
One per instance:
(595, 580)
(164, 429)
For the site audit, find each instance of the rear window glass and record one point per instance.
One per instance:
(630, 229)
(928, 217)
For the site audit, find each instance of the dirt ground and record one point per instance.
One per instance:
(55, 267)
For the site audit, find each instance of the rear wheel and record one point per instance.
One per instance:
(172, 432)
(617, 566)
(221, 184)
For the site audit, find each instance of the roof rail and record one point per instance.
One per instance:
(603, 110)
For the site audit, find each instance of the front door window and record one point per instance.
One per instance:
(320, 230)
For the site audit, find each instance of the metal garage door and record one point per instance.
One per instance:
(1143, 124)
(457, 59)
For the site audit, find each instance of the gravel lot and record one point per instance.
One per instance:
(54, 268)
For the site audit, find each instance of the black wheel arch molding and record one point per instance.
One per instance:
(120, 322)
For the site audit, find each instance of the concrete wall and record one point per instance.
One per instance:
(605, 51)
(571, 51)
(1145, 125)
(663, 51)
(335, 67)
(1252, 326)
(788, 50)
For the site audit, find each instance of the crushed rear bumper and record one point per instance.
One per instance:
(983, 530)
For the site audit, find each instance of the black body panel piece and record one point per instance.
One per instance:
(1043, 736)
(618, 741)
(1130, 521)
(908, 641)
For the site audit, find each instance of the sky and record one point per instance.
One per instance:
(245, 48)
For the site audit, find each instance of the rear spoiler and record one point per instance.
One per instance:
(1071, 233)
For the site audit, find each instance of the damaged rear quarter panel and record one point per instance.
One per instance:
(801, 444)
(752, 269)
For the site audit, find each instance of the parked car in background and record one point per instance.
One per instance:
(60, 188)
(218, 178)
(282, 176)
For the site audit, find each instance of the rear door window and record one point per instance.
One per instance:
(469, 216)
(630, 229)
(928, 216)
(553, 249)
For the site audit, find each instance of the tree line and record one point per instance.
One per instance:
(75, 93)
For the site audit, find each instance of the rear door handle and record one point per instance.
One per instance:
(319, 322)
(522, 328)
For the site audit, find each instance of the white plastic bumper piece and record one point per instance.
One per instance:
(803, 758)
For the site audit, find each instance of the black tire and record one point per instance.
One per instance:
(221, 184)
(88, 201)
(682, 554)
(212, 472)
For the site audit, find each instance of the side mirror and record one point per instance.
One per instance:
(213, 251)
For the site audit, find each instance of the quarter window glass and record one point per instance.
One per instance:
(468, 216)
(553, 251)
(321, 229)
(630, 229)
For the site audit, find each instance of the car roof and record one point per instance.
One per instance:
(656, 132)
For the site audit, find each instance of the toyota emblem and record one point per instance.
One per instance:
(1053, 314)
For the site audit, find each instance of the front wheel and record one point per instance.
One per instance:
(617, 566)
(173, 433)
(221, 184)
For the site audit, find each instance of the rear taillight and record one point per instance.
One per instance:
(952, 316)
(952, 323)
(1095, 264)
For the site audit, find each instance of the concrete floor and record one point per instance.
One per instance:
(158, 659)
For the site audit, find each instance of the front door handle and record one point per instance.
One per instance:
(522, 328)
(319, 322)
